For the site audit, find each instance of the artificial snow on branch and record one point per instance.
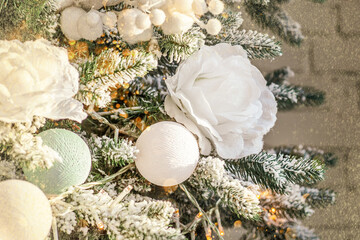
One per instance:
(276, 172)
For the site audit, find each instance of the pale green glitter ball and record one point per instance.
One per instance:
(75, 165)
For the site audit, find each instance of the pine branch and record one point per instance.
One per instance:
(111, 153)
(279, 76)
(328, 158)
(318, 1)
(110, 69)
(274, 18)
(178, 47)
(289, 96)
(276, 172)
(257, 45)
(210, 175)
(318, 198)
(27, 20)
(303, 233)
(262, 2)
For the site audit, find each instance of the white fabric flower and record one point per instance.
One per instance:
(37, 80)
(223, 99)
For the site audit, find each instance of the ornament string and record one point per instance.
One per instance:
(92, 184)
(196, 204)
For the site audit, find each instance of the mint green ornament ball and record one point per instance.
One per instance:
(74, 168)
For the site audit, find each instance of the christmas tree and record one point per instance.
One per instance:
(144, 119)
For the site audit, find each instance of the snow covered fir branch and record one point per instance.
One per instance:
(144, 119)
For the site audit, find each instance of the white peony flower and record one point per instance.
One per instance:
(223, 99)
(37, 79)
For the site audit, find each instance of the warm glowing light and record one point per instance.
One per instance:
(273, 210)
(100, 226)
(199, 215)
(273, 217)
(221, 230)
(258, 196)
(237, 223)
(306, 195)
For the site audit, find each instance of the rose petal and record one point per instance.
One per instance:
(173, 111)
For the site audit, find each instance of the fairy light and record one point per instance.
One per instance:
(237, 224)
(199, 215)
(208, 234)
(100, 225)
(221, 230)
(273, 210)
(218, 218)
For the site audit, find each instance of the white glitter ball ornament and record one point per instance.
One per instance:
(25, 211)
(168, 153)
(75, 165)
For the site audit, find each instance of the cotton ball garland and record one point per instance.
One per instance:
(109, 19)
(168, 153)
(199, 7)
(213, 26)
(75, 165)
(157, 17)
(90, 25)
(143, 21)
(177, 23)
(184, 6)
(128, 29)
(69, 18)
(216, 7)
(25, 211)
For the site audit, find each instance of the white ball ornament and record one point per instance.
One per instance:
(168, 153)
(157, 17)
(68, 22)
(109, 19)
(177, 23)
(25, 212)
(90, 25)
(184, 6)
(199, 7)
(142, 21)
(74, 168)
(216, 7)
(128, 30)
(213, 26)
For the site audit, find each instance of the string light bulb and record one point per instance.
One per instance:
(273, 210)
(199, 215)
(100, 226)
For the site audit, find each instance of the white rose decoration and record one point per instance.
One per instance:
(37, 79)
(223, 99)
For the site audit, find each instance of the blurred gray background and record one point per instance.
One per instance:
(329, 59)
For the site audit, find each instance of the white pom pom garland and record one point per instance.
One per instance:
(213, 26)
(216, 7)
(142, 21)
(68, 22)
(109, 19)
(90, 25)
(157, 17)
